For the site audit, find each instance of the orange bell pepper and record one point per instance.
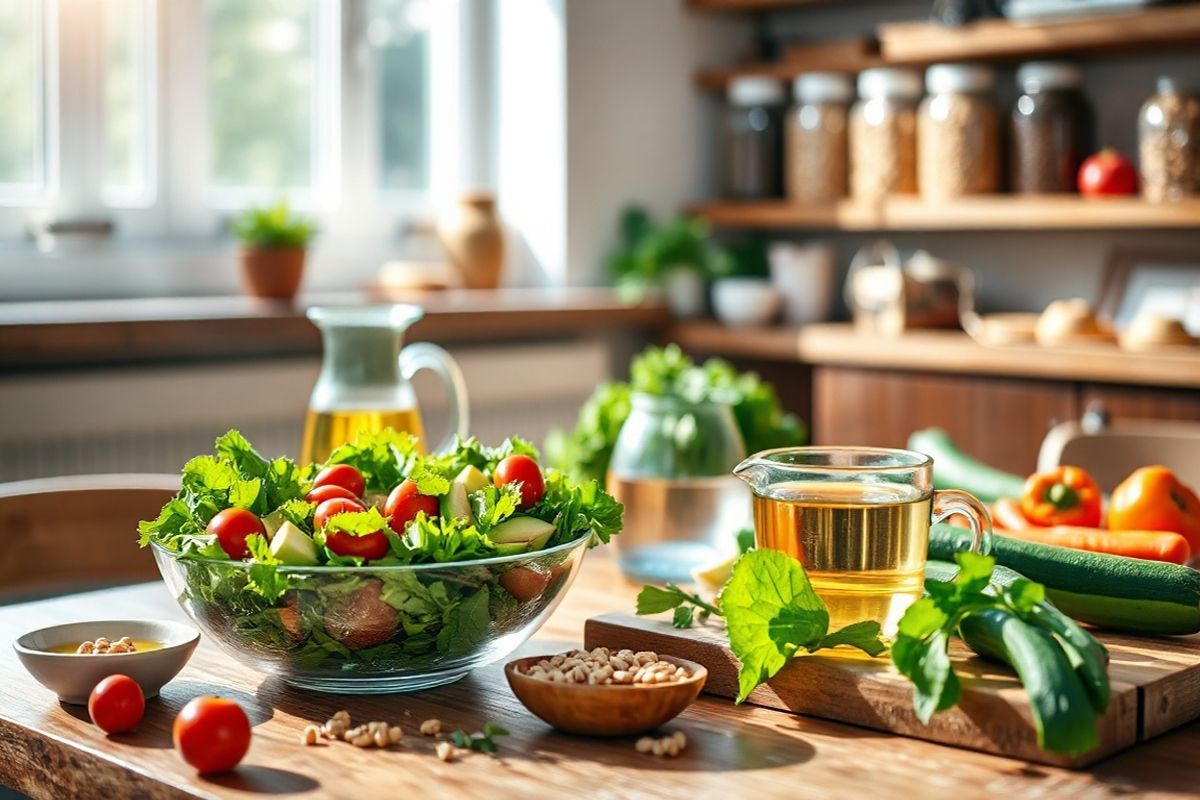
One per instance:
(1154, 499)
(1066, 496)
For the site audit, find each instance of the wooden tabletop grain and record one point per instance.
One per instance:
(49, 750)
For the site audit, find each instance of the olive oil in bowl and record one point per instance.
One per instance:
(863, 544)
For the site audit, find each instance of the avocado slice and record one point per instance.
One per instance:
(527, 531)
(455, 503)
(293, 547)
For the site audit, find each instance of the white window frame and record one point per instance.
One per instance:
(346, 198)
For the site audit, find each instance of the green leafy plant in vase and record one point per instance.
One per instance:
(274, 249)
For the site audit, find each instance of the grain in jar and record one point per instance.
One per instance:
(1169, 142)
(1051, 128)
(816, 154)
(958, 150)
(752, 139)
(883, 134)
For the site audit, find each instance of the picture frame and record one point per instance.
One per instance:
(1139, 280)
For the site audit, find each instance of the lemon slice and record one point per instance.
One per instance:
(711, 577)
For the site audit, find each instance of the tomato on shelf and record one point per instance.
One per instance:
(405, 502)
(212, 734)
(320, 494)
(522, 469)
(231, 527)
(1107, 173)
(342, 475)
(338, 505)
(116, 704)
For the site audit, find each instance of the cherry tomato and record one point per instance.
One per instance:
(1107, 173)
(212, 734)
(338, 505)
(116, 704)
(342, 475)
(404, 502)
(231, 528)
(320, 494)
(524, 583)
(525, 470)
(370, 546)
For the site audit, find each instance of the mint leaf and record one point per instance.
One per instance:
(771, 611)
(653, 600)
(863, 635)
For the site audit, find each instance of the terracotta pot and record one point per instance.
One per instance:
(473, 239)
(273, 272)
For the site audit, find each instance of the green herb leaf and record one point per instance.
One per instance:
(745, 540)
(863, 635)
(771, 611)
(358, 523)
(655, 600)
(466, 625)
(262, 574)
(682, 617)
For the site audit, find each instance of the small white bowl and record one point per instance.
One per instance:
(745, 302)
(72, 676)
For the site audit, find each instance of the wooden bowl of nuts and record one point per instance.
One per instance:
(605, 692)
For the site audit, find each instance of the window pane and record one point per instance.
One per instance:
(21, 133)
(261, 92)
(127, 93)
(399, 32)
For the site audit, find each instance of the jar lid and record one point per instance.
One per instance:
(959, 78)
(889, 82)
(1174, 84)
(755, 90)
(1039, 76)
(823, 87)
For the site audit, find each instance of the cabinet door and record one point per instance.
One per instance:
(999, 421)
(1141, 402)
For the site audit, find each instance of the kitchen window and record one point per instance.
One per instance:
(160, 118)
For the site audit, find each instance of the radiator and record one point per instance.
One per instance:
(154, 419)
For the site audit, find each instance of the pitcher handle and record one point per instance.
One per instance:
(423, 355)
(948, 502)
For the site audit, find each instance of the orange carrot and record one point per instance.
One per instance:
(1151, 545)
(1007, 514)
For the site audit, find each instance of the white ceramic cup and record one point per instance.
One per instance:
(803, 273)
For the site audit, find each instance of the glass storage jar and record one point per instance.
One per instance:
(958, 150)
(672, 469)
(883, 134)
(1169, 142)
(752, 139)
(816, 151)
(1051, 128)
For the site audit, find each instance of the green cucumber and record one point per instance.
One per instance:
(1087, 656)
(1125, 594)
(953, 469)
(1063, 713)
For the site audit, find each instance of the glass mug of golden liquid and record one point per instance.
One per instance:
(858, 519)
(364, 384)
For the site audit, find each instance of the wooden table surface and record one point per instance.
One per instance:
(51, 750)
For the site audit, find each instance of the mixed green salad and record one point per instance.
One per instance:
(246, 532)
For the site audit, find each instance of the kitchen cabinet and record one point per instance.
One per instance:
(1135, 402)
(1000, 421)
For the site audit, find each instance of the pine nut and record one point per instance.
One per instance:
(445, 751)
(431, 727)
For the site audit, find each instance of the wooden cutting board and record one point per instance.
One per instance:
(1155, 687)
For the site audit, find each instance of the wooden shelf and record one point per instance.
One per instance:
(924, 42)
(982, 213)
(928, 42)
(940, 351)
(755, 5)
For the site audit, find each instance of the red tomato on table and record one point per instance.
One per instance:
(524, 469)
(231, 527)
(405, 502)
(116, 704)
(212, 734)
(342, 475)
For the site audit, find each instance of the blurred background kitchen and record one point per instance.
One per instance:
(896, 212)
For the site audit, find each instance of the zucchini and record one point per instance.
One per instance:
(954, 469)
(1087, 656)
(1063, 713)
(1125, 594)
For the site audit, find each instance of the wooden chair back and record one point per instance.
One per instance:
(1111, 452)
(59, 535)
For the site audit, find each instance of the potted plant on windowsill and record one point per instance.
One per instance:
(274, 248)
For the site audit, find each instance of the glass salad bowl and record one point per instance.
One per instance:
(374, 629)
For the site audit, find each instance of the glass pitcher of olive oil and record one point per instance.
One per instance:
(364, 384)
